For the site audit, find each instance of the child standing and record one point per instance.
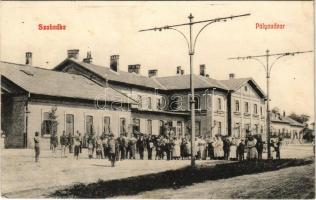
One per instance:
(36, 146)
(99, 148)
(77, 147)
(90, 149)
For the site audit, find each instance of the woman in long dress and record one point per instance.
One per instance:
(220, 146)
(233, 149)
(176, 149)
(204, 149)
(252, 150)
(188, 148)
(214, 144)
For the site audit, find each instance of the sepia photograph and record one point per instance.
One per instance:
(157, 99)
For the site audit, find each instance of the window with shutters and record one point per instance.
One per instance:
(219, 128)
(237, 105)
(197, 105)
(255, 108)
(123, 128)
(136, 126)
(89, 124)
(70, 124)
(219, 104)
(246, 107)
(179, 128)
(106, 125)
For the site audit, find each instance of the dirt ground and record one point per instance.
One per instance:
(288, 183)
(22, 177)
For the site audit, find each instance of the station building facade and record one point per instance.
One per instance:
(78, 95)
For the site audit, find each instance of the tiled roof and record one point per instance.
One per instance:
(274, 117)
(120, 76)
(236, 83)
(163, 83)
(47, 82)
(183, 82)
(294, 122)
(178, 82)
(284, 119)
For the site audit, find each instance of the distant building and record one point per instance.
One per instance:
(286, 127)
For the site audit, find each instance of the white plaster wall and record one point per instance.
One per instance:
(37, 112)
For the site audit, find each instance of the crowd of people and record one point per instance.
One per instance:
(160, 147)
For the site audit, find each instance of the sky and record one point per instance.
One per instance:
(108, 28)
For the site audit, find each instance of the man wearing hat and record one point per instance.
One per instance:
(112, 148)
(241, 149)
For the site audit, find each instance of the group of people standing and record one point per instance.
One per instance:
(106, 146)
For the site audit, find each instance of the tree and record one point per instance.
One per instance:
(303, 118)
(276, 110)
(308, 134)
(53, 118)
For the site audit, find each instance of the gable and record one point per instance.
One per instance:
(9, 87)
(248, 90)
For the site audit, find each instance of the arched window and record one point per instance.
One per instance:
(219, 104)
(161, 127)
(179, 128)
(246, 107)
(255, 108)
(197, 103)
(237, 106)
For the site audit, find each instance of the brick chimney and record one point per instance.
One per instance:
(28, 58)
(134, 68)
(114, 62)
(202, 70)
(73, 53)
(88, 59)
(231, 76)
(283, 113)
(152, 73)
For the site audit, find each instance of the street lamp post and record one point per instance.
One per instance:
(268, 105)
(192, 102)
(268, 68)
(191, 49)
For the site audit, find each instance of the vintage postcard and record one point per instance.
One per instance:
(157, 100)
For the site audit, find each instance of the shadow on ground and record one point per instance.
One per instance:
(173, 178)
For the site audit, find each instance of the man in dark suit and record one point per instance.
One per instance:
(112, 149)
(226, 148)
(241, 150)
(141, 147)
(150, 146)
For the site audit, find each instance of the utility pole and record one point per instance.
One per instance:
(268, 68)
(191, 49)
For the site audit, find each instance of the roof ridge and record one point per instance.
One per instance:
(117, 72)
(236, 79)
(174, 76)
(217, 81)
(25, 65)
(48, 70)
